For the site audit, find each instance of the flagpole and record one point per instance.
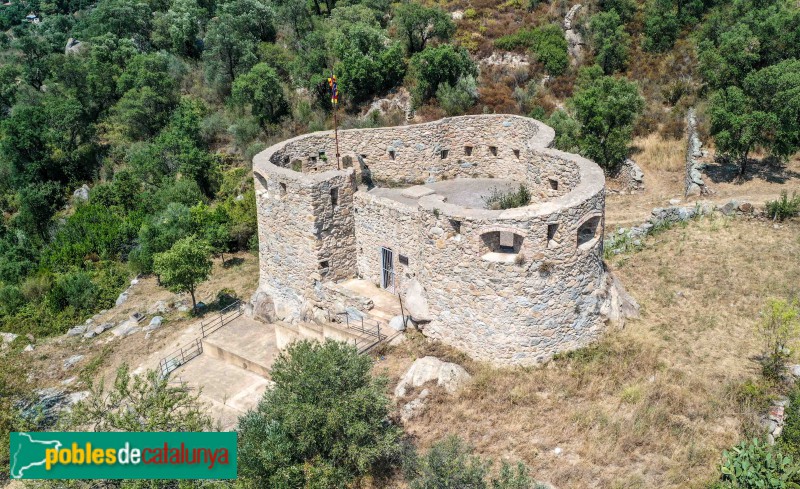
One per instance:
(335, 101)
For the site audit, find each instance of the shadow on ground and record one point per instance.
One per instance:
(768, 169)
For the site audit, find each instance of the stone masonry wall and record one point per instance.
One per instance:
(494, 146)
(509, 306)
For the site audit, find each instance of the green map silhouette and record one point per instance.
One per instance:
(28, 452)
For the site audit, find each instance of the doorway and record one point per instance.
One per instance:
(387, 269)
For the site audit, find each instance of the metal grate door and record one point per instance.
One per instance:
(387, 269)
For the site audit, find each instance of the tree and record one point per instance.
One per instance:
(419, 24)
(434, 66)
(606, 108)
(228, 52)
(737, 128)
(779, 330)
(261, 90)
(610, 42)
(322, 425)
(624, 8)
(661, 26)
(38, 203)
(550, 49)
(184, 266)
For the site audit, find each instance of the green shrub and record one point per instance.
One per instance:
(757, 465)
(547, 43)
(456, 100)
(498, 200)
(779, 330)
(451, 464)
(784, 207)
(324, 423)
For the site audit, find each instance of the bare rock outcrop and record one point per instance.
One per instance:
(450, 376)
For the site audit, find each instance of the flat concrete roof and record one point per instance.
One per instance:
(469, 193)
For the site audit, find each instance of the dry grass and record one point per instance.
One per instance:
(652, 405)
(658, 154)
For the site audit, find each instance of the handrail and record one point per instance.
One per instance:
(180, 357)
(362, 328)
(195, 347)
(226, 314)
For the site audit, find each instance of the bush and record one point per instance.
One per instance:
(324, 423)
(757, 465)
(784, 208)
(498, 200)
(451, 464)
(547, 44)
(434, 66)
(779, 329)
(456, 100)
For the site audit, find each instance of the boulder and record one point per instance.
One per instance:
(428, 369)
(137, 316)
(81, 194)
(159, 307)
(125, 328)
(72, 361)
(398, 323)
(729, 208)
(155, 323)
(7, 338)
(101, 328)
(412, 408)
(263, 307)
(415, 302)
(746, 207)
(29, 348)
(122, 298)
(77, 330)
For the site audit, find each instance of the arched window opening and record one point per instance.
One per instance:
(587, 232)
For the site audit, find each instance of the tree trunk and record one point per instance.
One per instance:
(743, 166)
(194, 302)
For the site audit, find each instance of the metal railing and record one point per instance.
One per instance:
(195, 348)
(370, 327)
(225, 315)
(180, 356)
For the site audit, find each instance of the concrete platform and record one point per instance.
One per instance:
(245, 343)
(386, 304)
(465, 192)
(229, 391)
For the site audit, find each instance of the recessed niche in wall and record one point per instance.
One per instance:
(322, 155)
(391, 153)
(403, 259)
(587, 232)
(552, 231)
(313, 160)
(456, 225)
(493, 150)
(553, 183)
(516, 153)
(324, 268)
(335, 196)
(468, 150)
(501, 246)
(444, 153)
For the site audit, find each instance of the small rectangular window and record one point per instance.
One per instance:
(553, 183)
(335, 196)
(403, 260)
(323, 267)
(313, 160)
(552, 229)
(322, 155)
(391, 153)
(493, 150)
(444, 153)
(468, 150)
(516, 153)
